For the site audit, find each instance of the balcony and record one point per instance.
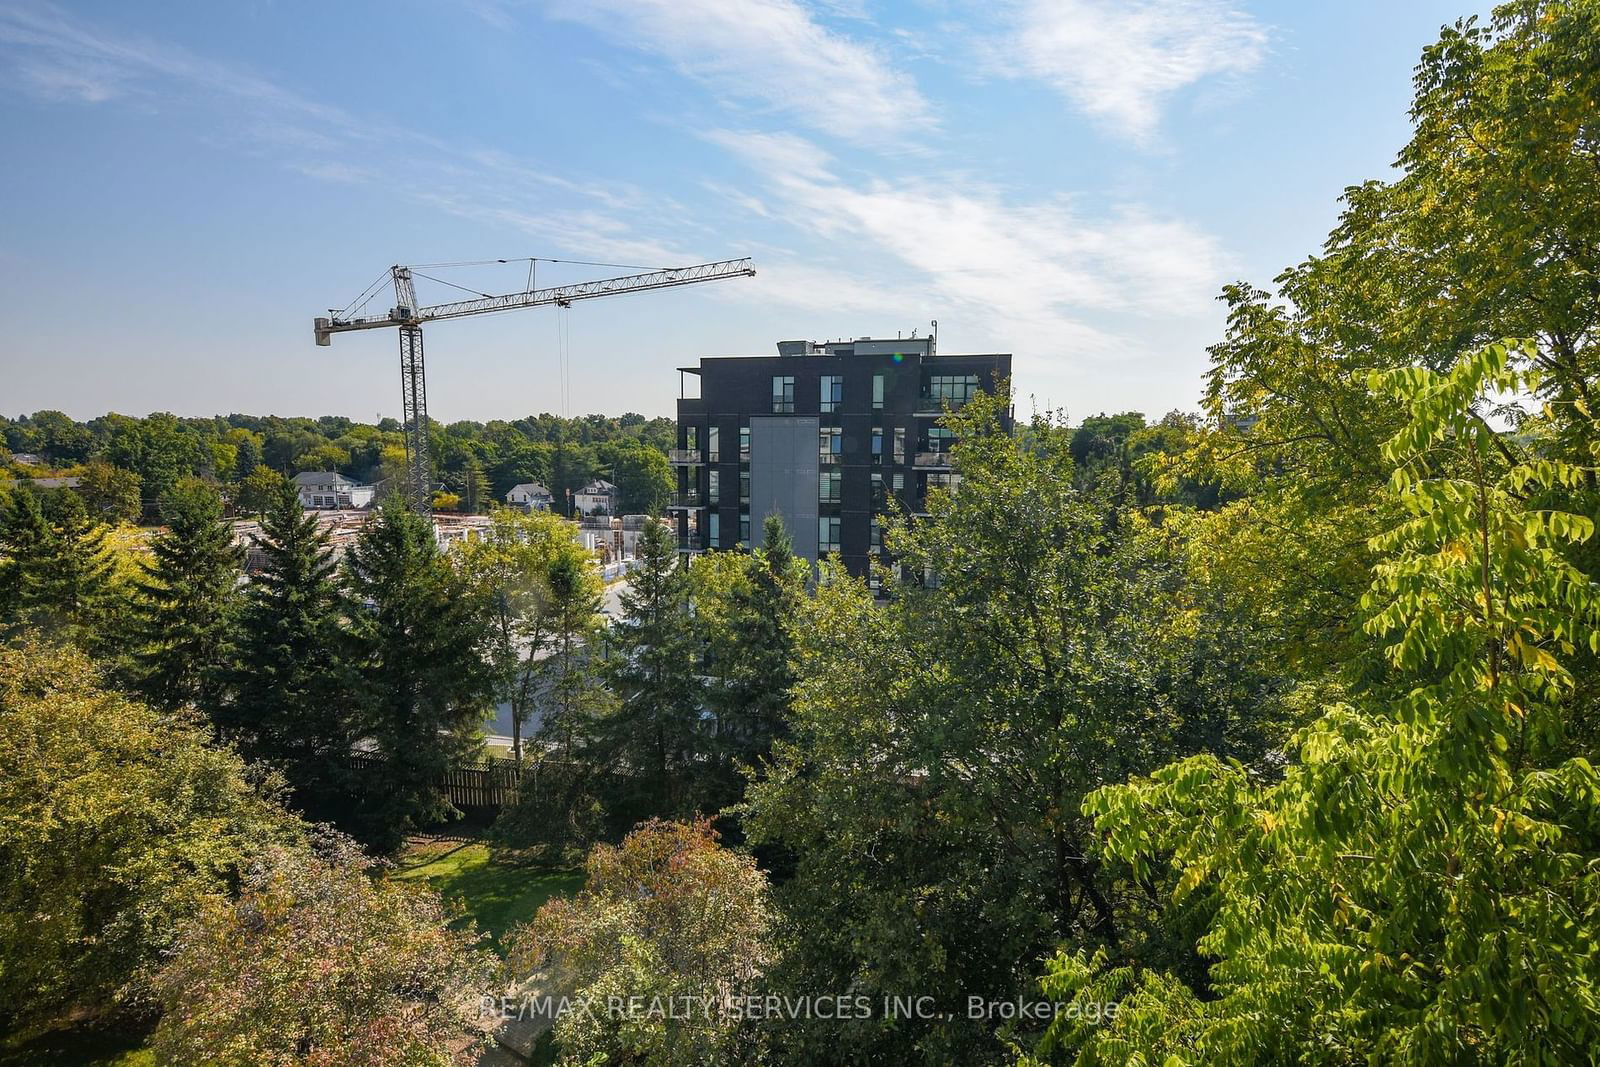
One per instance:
(690, 499)
(934, 405)
(683, 456)
(935, 461)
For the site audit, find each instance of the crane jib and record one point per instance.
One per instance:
(404, 314)
(408, 318)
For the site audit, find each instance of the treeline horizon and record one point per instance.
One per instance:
(473, 461)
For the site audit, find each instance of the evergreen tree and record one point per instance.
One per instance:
(28, 543)
(58, 572)
(184, 613)
(754, 697)
(653, 669)
(77, 579)
(420, 631)
(293, 691)
(475, 488)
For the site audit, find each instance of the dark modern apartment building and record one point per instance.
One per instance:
(825, 434)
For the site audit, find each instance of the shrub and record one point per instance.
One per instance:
(318, 962)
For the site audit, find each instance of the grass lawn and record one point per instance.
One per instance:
(496, 896)
(78, 1046)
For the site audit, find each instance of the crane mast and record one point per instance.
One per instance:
(408, 318)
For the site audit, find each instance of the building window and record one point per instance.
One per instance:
(744, 529)
(712, 486)
(712, 448)
(783, 394)
(877, 392)
(828, 533)
(744, 487)
(899, 444)
(877, 445)
(939, 439)
(830, 443)
(944, 480)
(714, 529)
(877, 534)
(832, 391)
(691, 437)
(899, 485)
(828, 487)
(744, 443)
(956, 388)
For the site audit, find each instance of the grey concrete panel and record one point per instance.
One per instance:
(783, 478)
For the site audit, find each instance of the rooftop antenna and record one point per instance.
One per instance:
(933, 343)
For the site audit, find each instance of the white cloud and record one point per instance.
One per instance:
(1042, 266)
(1092, 301)
(773, 53)
(1119, 60)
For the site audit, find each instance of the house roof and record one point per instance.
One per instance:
(530, 488)
(321, 478)
(598, 486)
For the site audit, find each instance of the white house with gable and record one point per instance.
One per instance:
(331, 491)
(530, 496)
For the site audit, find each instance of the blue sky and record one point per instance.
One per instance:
(186, 184)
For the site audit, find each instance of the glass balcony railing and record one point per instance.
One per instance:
(683, 455)
(934, 405)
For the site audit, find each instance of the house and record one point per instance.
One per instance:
(530, 496)
(599, 497)
(332, 491)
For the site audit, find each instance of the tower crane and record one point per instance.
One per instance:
(408, 318)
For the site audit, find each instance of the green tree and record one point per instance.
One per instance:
(258, 489)
(1418, 885)
(656, 730)
(568, 675)
(475, 488)
(644, 481)
(669, 914)
(30, 546)
(119, 821)
(543, 596)
(111, 493)
(950, 735)
(58, 574)
(323, 962)
(752, 697)
(294, 700)
(186, 601)
(420, 633)
(78, 581)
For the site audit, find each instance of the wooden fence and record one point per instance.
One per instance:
(485, 784)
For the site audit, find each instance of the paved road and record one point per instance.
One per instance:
(611, 603)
